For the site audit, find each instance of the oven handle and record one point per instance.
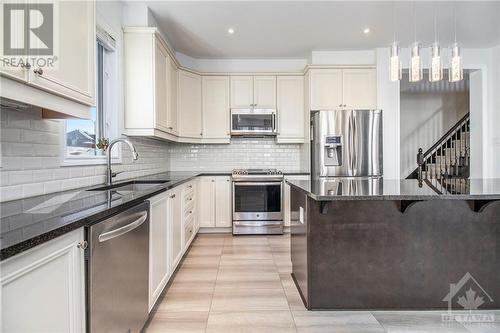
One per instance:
(257, 183)
(265, 224)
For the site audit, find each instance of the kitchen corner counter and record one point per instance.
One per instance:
(28, 222)
(404, 189)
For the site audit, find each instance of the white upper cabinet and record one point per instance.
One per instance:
(253, 91)
(264, 92)
(190, 105)
(216, 110)
(326, 89)
(172, 87)
(162, 76)
(291, 109)
(241, 91)
(74, 75)
(349, 88)
(360, 88)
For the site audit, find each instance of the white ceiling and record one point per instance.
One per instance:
(291, 29)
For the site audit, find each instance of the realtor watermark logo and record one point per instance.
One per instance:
(468, 294)
(29, 37)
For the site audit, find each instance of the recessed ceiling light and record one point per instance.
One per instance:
(230, 31)
(366, 31)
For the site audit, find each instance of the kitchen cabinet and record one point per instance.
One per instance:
(74, 74)
(223, 202)
(286, 197)
(148, 85)
(172, 86)
(359, 88)
(253, 91)
(159, 233)
(326, 89)
(348, 88)
(43, 289)
(215, 198)
(291, 109)
(216, 109)
(190, 105)
(189, 210)
(67, 89)
(176, 226)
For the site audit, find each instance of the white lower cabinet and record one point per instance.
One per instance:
(286, 199)
(215, 201)
(159, 263)
(43, 289)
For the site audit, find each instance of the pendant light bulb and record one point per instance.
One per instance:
(436, 73)
(396, 69)
(456, 71)
(416, 72)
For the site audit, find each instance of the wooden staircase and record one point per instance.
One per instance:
(447, 162)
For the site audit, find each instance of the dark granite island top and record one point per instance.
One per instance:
(385, 244)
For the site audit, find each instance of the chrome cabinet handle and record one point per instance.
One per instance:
(172, 196)
(38, 71)
(82, 245)
(190, 186)
(123, 230)
(170, 127)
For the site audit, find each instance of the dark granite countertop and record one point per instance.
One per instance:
(404, 189)
(29, 222)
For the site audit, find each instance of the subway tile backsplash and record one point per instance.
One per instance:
(31, 161)
(240, 153)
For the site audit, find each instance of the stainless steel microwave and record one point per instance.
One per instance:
(253, 122)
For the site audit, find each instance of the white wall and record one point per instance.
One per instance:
(425, 118)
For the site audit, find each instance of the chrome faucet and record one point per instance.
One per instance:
(110, 174)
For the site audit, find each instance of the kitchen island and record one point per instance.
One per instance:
(396, 244)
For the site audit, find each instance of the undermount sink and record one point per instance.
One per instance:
(132, 186)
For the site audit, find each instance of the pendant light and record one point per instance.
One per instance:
(456, 71)
(416, 72)
(436, 72)
(396, 70)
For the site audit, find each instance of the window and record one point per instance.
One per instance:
(81, 135)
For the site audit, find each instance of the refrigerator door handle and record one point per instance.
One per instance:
(349, 145)
(354, 143)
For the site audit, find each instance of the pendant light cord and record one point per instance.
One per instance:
(415, 20)
(455, 20)
(435, 22)
(394, 20)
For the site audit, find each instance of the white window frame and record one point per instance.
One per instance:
(111, 105)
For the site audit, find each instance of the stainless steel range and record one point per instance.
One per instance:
(257, 201)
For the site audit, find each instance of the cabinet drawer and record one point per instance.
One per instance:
(189, 198)
(189, 210)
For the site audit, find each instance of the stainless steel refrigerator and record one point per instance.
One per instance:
(346, 143)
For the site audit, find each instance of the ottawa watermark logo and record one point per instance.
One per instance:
(29, 38)
(469, 295)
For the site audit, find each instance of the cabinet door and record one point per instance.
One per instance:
(161, 93)
(223, 199)
(175, 207)
(190, 105)
(291, 109)
(158, 246)
(264, 88)
(173, 82)
(206, 200)
(216, 111)
(74, 75)
(326, 89)
(241, 91)
(360, 88)
(43, 289)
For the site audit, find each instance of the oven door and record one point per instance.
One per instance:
(257, 201)
(253, 122)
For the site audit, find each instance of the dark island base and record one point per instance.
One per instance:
(371, 254)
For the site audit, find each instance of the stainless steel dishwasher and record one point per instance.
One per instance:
(118, 272)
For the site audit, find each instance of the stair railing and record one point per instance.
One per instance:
(449, 156)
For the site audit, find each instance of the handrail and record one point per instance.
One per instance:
(445, 137)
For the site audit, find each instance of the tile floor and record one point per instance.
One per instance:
(243, 284)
